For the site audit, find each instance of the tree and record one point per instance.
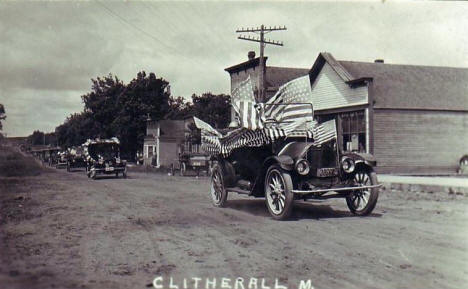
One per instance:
(2, 115)
(37, 138)
(76, 129)
(179, 108)
(146, 95)
(213, 109)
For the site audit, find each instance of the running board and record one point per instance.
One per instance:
(239, 191)
(335, 189)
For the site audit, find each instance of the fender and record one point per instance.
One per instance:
(286, 162)
(363, 158)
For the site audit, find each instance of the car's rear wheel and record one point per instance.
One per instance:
(279, 197)
(217, 190)
(362, 202)
(92, 174)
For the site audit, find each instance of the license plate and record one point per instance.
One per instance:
(326, 172)
(109, 169)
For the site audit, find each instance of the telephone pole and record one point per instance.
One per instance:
(262, 30)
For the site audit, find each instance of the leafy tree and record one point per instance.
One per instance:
(213, 109)
(144, 96)
(41, 138)
(2, 115)
(37, 138)
(179, 108)
(76, 129)
(102, 103)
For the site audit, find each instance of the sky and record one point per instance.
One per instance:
(50, 51)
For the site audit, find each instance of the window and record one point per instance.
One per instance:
(353, 125)
(150, 151)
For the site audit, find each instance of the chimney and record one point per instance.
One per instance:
(379, 61)
(251, 55)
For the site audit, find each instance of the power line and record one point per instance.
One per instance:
(132, 25)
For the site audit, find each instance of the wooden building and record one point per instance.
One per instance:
(162, 142)
(165, 140)
(414, 119)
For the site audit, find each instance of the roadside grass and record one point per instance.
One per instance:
(14, 164)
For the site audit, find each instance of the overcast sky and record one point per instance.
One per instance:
(49, 51)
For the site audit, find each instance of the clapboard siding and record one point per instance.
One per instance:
(410, 141)
(329, 91)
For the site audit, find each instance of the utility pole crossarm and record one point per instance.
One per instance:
(263, 30)
(266, 41)
(259, 29)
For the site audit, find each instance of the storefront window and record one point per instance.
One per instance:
(353, 125)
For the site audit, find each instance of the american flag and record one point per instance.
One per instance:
(244, 104)
(325, 132)
(290, 107)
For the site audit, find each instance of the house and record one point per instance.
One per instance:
(165, 140)
(162, 142)
(414, 119)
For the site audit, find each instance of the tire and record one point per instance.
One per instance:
(362, 202)
(279, 198)
(218, 192)
(183, 169)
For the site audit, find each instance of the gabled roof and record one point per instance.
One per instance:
(403, 86)
(325, 57)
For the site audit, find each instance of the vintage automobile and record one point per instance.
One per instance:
(53, 156)
(75, 158)
(103, 158)
(62, 160)
(296, 168)
(195, 162)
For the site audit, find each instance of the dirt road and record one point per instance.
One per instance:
(62, 230)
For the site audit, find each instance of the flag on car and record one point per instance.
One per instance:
(243, 102)
(325, 132)
(290, 107)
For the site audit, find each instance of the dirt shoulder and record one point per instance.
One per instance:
(62, 230)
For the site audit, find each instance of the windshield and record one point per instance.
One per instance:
(104, 150)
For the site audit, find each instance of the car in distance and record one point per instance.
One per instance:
(103, 158)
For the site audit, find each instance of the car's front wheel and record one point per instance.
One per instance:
(279, 197)
(183, 169)
(362, 202)
(217, 190)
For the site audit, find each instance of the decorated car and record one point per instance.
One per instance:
(280, 153)
(75, 158)
(103, 158)
(62, 160)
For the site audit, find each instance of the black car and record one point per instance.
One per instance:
(103, 158)
(75, 158)
(296, 168)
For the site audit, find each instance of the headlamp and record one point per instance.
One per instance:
(302, 167)
(348, 165)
